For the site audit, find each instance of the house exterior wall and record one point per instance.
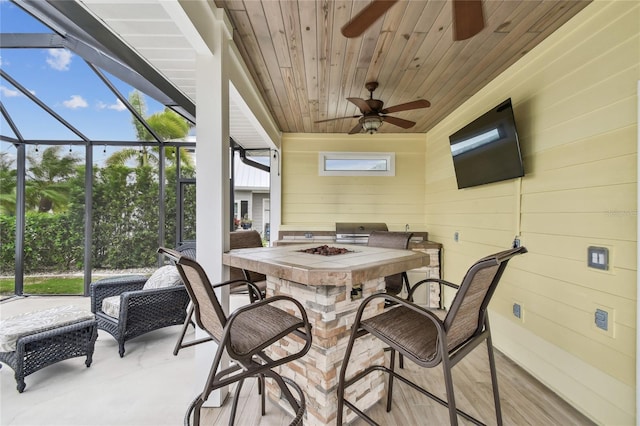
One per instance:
(575, 104)
(255, 202)
(314, 202)
(256, 208)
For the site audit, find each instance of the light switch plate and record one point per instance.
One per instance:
(598, 257)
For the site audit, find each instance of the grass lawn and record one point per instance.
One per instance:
(44, 285)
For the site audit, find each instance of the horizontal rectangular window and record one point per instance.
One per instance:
(356, 164)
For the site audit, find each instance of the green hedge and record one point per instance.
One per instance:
(7, 244)
(51, 244)
(125, 225)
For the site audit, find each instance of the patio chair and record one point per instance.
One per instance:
(394, 240)
(130, 306)
(243, 335)
(426, 339)
(240, 240)
(394, 283)
(239, 277)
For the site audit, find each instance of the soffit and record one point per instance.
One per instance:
(148, 28)
(304, 68)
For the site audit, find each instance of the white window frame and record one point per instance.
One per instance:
(389, 157)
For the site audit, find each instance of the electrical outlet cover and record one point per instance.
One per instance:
(603, 319)
(518, 311)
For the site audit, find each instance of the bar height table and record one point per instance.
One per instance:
(324, 284)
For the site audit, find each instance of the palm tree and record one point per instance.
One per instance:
(167, 124)
(8, 182)
(48, 179)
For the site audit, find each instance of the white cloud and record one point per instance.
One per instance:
(117, 106)
(9, 93)
(76, 101)
(59, 59)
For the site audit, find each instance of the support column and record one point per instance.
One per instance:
(20, 217)
(638, 281)
(212, 171)
(88, 217)
(275, 195)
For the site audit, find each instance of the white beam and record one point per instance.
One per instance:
(251, 97)
(177, 13)
(212, 171)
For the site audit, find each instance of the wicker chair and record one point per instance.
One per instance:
(256, 290)
(187, 249)
(140, 310)
(243, 335)
(393, 240)
(426, 339)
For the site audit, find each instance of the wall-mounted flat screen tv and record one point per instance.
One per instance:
(487, 149)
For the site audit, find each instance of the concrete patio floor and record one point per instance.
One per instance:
(149, 386)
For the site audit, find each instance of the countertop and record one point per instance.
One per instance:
(415, 243)
(360, 264)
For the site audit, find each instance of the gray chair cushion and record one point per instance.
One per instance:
(165, 276)
(111, 306)
(11, 329)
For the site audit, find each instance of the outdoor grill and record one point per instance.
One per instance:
(357, 233)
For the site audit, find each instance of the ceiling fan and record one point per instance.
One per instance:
(373, 114)
(468, 19)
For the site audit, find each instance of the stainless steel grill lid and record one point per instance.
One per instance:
(357, 232)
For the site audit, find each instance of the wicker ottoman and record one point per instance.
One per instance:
(29, 342)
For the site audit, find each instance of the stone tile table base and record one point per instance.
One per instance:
(331, 312)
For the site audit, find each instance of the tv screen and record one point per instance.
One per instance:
(487, 149)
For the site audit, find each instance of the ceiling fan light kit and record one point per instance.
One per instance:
(371, 124)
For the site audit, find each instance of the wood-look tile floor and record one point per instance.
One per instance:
(524, 400)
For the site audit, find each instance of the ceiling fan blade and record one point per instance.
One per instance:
(366, 17)
(421, 103)
(400, 122)
(356, 129)
(337, 118)
(360, 103)
(468, 19)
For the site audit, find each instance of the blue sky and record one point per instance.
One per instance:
(64, 82)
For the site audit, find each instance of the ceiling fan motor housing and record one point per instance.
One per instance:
(375, 104)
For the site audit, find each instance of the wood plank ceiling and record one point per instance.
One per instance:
(305, 68)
